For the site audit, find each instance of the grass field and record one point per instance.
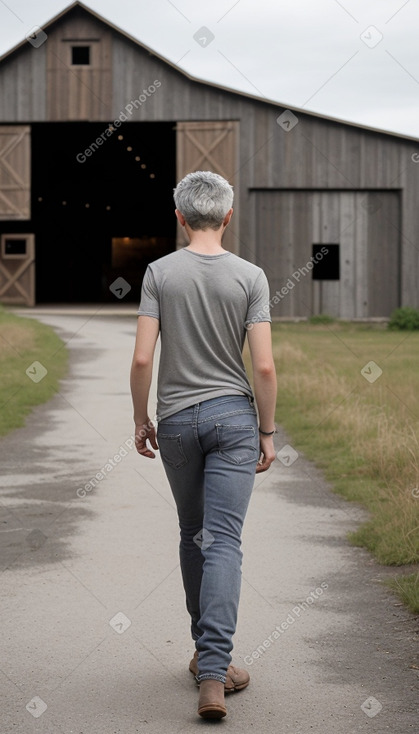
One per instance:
(23, 342)
(362, 432)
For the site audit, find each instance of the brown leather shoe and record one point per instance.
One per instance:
(211, 699)
(236, 678)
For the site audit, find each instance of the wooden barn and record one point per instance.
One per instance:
(95, 130)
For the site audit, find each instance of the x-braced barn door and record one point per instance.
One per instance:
(17, 252)
(210, 146)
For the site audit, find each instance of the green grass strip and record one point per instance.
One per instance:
(23, 342)
(407, 588)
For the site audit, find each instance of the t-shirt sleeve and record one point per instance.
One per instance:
(149, 304)
(259, 306)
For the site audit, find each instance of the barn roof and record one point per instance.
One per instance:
(191, 78)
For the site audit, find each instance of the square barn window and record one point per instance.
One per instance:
(80, 55)
(326, 262)
(13, 246)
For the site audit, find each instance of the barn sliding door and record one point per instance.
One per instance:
(15, 172)
(17, 251)
(210, 146)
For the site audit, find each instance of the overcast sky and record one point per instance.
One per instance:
(356, 60)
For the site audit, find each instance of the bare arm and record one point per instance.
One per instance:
(264, 380)
(141, 373)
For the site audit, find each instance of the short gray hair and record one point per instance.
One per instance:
(204, 198)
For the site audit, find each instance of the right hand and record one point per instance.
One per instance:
(267, 453)
(145, 432)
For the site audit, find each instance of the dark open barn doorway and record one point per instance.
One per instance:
(100, 211)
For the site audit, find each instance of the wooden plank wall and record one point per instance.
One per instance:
(369, 250)
(384, 252)
(320, 153)
(23, 86)
(79, 92)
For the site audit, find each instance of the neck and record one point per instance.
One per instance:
(206, 242)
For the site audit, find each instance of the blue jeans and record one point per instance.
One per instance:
(209, 452)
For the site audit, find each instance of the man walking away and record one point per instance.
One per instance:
(203, 300)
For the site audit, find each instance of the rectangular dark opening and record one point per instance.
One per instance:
(80, 55)
(326, 262)
(102, 207)
(14, 247)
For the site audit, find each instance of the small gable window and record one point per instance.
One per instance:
(80, 55)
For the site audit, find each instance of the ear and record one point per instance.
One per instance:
(228, 217)
(181, 219)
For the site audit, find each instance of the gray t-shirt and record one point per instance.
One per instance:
(203, 303)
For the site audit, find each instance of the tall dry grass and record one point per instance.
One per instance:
(365, 439)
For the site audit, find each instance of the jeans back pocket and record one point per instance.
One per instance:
(171, 449)
(237, 444)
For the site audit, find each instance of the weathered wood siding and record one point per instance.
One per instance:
(361, 223)
(23, 85)
(79, 92)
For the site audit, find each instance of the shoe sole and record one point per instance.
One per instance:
(212, 711)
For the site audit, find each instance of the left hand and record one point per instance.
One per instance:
(145, 432)
(267, 453)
